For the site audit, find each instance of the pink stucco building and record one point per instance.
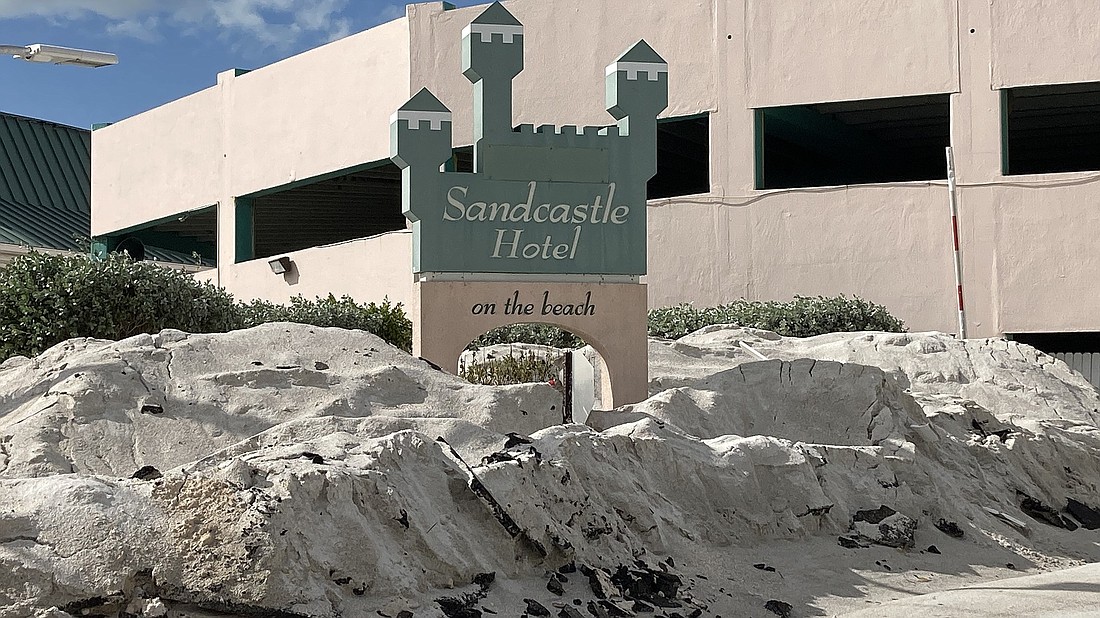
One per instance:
(802, 152)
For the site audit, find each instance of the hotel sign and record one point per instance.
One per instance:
(545, 200)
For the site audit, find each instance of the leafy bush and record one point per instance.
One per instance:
(512, 369)
(542, 334)
(46, 299)
(387, 320)
(805, 316)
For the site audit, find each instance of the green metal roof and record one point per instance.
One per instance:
(45, 184)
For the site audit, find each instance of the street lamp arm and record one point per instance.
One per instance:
(15, 50)
(55, 54)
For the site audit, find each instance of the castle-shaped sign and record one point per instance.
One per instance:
(546, 200)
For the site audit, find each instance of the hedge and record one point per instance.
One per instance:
(386, 320)
(805, 316)
(46, 299)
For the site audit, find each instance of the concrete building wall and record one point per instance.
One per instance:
(321, 111)
(1044, 42)
(808, 52)
(1026, 239)
(165, 161)
(368, 269)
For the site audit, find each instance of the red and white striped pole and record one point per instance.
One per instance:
(952, 188)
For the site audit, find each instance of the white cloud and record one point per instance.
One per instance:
(270, 23)
(143, 29)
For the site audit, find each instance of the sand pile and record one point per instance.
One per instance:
(298, 471)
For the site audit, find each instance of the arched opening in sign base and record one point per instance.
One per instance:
(610, 317)
(565, 361)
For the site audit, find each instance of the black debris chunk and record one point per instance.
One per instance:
(818, 511)
(498, 457)
(658, 588)
(597, 610)
(874, 516)
(1088, 516)
(764, 567)
(462, 607)
(779, 608)
(147, 473)
(534, 608)
(849, 542)
(514, 439)
(885, 526)
(1038, 511)
(568, 568)
(319, 366)
(314, 457)
(569, 612)
(404, 614)
(404, 519)
(979, 427)
(421, 358)
(932, 549)
(554, 586)
(484, 580)
(598, 580)
(949, 528)
(151, 408)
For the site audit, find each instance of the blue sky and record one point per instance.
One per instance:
(167, 48)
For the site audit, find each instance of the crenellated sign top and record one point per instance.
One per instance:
(540, 201)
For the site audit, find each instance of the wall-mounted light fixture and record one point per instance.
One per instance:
(280, 265)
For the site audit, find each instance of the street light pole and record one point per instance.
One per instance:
(55, 54)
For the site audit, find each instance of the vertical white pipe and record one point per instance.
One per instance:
(953, 190)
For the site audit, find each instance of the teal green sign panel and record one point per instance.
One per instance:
(545, 200)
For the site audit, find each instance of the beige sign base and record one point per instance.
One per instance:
(611, 317)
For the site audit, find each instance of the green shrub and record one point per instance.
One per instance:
(805, 316)
(512, 369)
(542, 334)
(46, 299)
(386, 320)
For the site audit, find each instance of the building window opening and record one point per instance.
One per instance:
(1050, 129)
(683, 157)
(335, 208)
(462, 160)
(188, 238)
(853, 142)
(1079, 350)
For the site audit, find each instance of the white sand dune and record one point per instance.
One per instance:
(289, 470)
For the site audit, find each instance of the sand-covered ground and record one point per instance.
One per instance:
(289, 470)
